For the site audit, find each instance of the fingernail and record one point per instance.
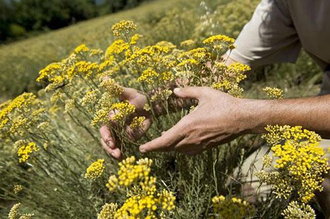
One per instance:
(142, 150)
(108, 142)
(176, 90)
(112, 154)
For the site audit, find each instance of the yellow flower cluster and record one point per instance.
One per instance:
(89, 98)
(297, 211)
(167, 200)
(149, 75)
(135, 205)
(274, 93)
(121, 111)
(218, 40)
(301, 162)
(137, 122)
(107, 212)
(199, 54)
(143, 201)
(17, 188)
(123, 28)
(229, 77)
(81, 48)
(187, 43)
(161, 96)
(86, 68)
(49, 71)
(112, 87)
(129, 172)
(18, 103)
(15, 214)
(24, 152)
(135, 38)
(95, 170)
(233, 208)
(116, 48)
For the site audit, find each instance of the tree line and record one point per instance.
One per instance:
(23, 18)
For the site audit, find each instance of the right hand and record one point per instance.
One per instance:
(108, 142)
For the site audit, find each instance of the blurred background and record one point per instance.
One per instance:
(35, 33)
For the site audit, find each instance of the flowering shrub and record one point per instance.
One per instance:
(142, 202)
(56, 140)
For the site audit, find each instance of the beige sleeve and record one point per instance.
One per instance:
(269, 37)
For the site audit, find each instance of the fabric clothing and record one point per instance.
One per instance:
(278, 30)
(275, 34)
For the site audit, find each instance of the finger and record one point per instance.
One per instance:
(135, 98)
(128, 93)
(189, 92)
(115, 153)
(106, 136)
(167, 141)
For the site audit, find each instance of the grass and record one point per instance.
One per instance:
(21, 61)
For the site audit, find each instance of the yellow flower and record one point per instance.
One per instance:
(187, 43)
(24, 152)
(13, 214)
(121, 111)
(17, 188)
(166, 199)
(233, 208)
(112, 87)
(81, 48)
(108, 211)
(95, 170)
(137, 122)
(273, 93)
(161, 95)
(123, 28)
(112, 183)
(296, 210)
(85, 68)
(300, 164)
(149, 76)
(95, 52)
(218, 39)
(116, 48)
(135, 38)
(49, 71)
(89, 98)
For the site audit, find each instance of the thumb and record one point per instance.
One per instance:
(189, 92)
(128, 93)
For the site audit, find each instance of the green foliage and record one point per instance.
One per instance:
(28, 17)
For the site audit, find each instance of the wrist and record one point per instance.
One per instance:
(256, 115)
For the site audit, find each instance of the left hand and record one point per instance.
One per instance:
(218, 118)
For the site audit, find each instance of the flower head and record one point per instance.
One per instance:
(25, 151)
(123, 28)
(95, 170)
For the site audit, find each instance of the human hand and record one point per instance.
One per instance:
(218, 118)
(108, 142)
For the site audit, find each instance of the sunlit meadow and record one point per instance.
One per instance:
(52, 164)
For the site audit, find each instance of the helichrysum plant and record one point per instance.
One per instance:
(58, 169)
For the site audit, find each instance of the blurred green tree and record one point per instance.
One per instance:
(19, 18)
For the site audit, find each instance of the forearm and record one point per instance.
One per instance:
(311, 113)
